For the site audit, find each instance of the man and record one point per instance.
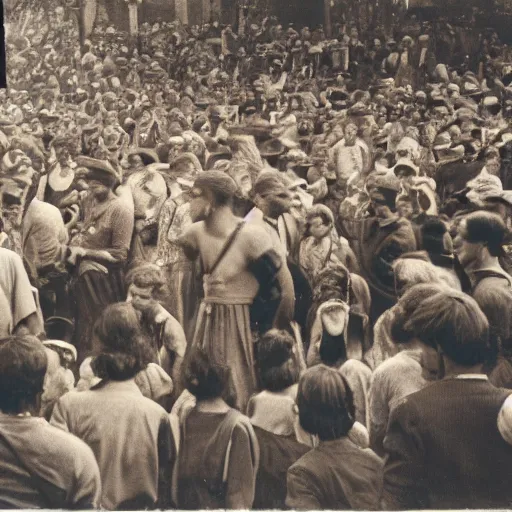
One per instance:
(145, 284)
(238, 261)
(16, 292)
(478, 245)
(443, 443)
(41, 466)
(381, 239)
(99, 250)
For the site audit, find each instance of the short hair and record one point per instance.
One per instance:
(454, 322)
(147, 275)
(277, 367)
(410, 301)
(206, 379)
(23, 364)
(488, 228)
(326, 403)
(433, 231)
(222, 187)
(125, 351)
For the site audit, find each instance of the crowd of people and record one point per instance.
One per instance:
(259, 268)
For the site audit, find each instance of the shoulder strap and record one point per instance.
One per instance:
(228, 425)
(227, 246)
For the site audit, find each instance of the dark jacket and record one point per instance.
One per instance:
(445, 449)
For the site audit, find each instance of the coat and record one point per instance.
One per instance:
(445, 450)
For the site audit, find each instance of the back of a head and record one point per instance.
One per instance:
(454, 322)
(486, 227)
(433, 231)
(326, 403)
(276, 364)
(23, 364)
(408, 303)
(124, 351)
(206, 379)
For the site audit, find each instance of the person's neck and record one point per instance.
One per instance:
(219, 220)
(213, 405)
(452, 369)
(414, 345)
(488, 262)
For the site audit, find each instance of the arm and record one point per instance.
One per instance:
(378, 414)
(59, 417)
(87, 492)
(302, 491)
(167, 454)
(404, 479)
(242, 470)
(189, 243)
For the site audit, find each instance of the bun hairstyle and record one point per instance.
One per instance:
(124, 350)
(433, 232)
(277, 367)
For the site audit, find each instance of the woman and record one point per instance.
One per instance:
(219, 451)
(337, 474)
(129, 434)
(272, 415)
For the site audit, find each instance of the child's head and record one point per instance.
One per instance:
(319, 221)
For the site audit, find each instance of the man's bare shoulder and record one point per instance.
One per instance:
(255, 231)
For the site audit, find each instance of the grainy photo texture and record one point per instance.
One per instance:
(256, 254)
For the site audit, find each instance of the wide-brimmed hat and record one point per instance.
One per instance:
(406, 167)
(271, 147)
(99, 170)
(147, 155)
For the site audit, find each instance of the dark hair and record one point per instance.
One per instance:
(326, 403)
(488, 228)
(410, 301)
(206, 379)
(146, 275)
(222, 187)
(23, 363)
(433, 231)
(454, 322)
(276, 364)
(125, 351)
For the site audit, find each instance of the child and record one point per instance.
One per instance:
(318, 245)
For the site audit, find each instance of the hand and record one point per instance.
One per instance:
(75, 253)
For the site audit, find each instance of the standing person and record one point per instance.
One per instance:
(337, 474)
(129, 434)
(17, 291)
(443, 443)
(478, 245)
(99, 250)
(219, 454)
(237, 259)
(41, 466)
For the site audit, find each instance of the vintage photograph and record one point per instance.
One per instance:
(256, 254)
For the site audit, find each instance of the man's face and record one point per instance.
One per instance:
(140, 298)
(243, 180)
(469, 254)
(275, 203)
(200, 205)
(350, 135)
(99, 190)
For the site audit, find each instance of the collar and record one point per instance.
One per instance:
(470, 376)
(389, 221)
(271, 222)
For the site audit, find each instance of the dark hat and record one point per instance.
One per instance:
(59, 328)
(272, 147)
(148, 156)
(99, 170)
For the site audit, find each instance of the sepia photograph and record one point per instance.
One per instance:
(256, 255)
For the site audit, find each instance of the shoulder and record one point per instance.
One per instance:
(307, 466)
(355, 367)
(67, 449)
